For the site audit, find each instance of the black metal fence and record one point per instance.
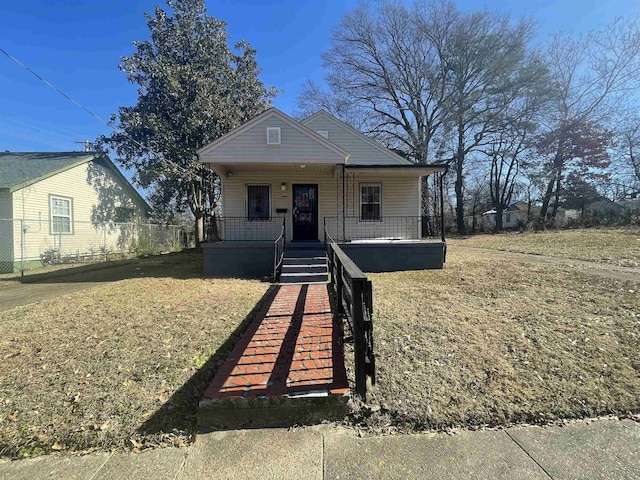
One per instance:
(239, 229)
(350, 229)
(354, 297)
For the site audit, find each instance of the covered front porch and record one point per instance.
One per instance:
(373, 213)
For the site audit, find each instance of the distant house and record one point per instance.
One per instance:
(631, 205)
(605, 207)
(519, 213)
(56, 202)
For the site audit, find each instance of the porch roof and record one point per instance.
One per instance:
(398, 170)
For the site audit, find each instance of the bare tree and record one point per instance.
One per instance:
(489, 68)
(507, 144)
(628, 143)
(425, 79)
(592, 77)
(385, 73)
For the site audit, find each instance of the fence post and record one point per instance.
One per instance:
(21, 247)
(358, 338)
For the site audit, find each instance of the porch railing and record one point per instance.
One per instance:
(278, 253)
(350, 229)
(239, 229)
(354, 301)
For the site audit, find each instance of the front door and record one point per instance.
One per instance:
(305, 212)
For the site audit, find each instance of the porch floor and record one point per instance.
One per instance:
(291, 350)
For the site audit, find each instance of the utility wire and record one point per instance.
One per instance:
(97, 117)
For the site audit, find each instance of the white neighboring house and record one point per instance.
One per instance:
(519, 214)
(312, 176)
(59, 202)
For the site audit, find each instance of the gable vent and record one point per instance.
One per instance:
(273, 135)
(323, 133)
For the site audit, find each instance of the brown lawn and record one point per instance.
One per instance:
(487, 343)
(615, 246)
(121, 364)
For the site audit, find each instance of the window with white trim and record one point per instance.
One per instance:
(61, 215)
(258, 202)
(371, 201)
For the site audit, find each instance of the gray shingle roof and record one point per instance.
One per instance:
(17, 168)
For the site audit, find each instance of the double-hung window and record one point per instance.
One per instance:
(258, 202)
(61, 215)
(371, 201)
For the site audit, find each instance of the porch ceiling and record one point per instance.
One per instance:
(228, 169)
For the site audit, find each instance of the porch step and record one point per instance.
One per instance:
(305, 245)
(303, 277)
(304, 262)
(309, 261)
(303, 253)
(305, 268)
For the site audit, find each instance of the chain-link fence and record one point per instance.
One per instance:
(28, 244)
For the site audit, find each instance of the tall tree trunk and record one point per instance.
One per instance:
(556, 200)
(499, 211)
(459, 186)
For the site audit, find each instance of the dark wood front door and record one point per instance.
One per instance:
(305, 212)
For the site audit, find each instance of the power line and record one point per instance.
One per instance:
(49, 84)
(97, 117)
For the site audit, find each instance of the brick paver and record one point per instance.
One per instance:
(292, 347)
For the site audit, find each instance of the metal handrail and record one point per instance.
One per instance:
(278, 258)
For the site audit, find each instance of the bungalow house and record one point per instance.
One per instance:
(58, 203)
(313, 180)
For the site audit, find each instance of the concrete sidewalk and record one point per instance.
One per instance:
(595, 449)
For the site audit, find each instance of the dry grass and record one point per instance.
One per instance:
(119, 365)
(616, 246)
(481, 343)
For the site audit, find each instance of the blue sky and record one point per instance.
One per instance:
(76, 45)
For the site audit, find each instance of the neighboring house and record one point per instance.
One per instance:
(631, 205)
(314, 176)
(605, 207)
(519, 213)
(59, 202)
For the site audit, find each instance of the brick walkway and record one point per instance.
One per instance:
(291, 348)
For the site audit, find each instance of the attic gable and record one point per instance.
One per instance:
(272, 137)
(362, 149)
